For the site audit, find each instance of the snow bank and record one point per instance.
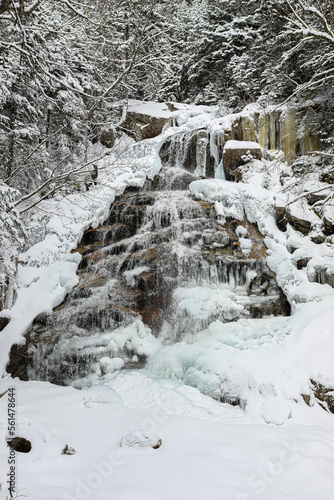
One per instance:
(241, 145)
(226, 456)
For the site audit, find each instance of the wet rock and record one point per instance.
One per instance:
(19, 444)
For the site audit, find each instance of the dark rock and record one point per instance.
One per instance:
(328, 226)
(234, 157)
(301, 263)
(281, 220)
(315, 197)
(4, 320)
(283, 217)
(20, 444)
(68, 450)
(318, 239)
(108, 138)
(301, 225)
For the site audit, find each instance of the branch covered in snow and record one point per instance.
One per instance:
(311, 21)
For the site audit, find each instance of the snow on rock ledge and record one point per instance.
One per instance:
(236, 153)
(242, 145)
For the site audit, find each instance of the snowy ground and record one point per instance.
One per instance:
(209, 451)
(275, 448)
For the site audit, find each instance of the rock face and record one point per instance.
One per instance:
(191, 151)
(147, 119)
(284, 216)
(145, 126)
(293, 131)
(154, 244)
(323, 395)
(237, 153)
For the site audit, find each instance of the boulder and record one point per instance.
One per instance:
(141, 439)
(146, 119)
(20, 444)
(108, 138)
(237, 153)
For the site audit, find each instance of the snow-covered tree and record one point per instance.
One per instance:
(311, 24)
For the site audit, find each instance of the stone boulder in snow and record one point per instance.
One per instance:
(20, 444)
(236, 153)
(141, 439)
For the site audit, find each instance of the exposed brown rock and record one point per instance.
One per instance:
(108, 138)
(284, 216)
(234, 157)
(324, 395)
(20, 444)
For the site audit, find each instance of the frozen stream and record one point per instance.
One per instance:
(176, 323)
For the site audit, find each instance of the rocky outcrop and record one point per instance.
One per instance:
(284, 216)
(145, 120)
(322, 394)
(236, 154)
(293, 130)
(189, 151)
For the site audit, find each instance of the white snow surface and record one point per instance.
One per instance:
(241, 145)
(150, 108)
(273, 447)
